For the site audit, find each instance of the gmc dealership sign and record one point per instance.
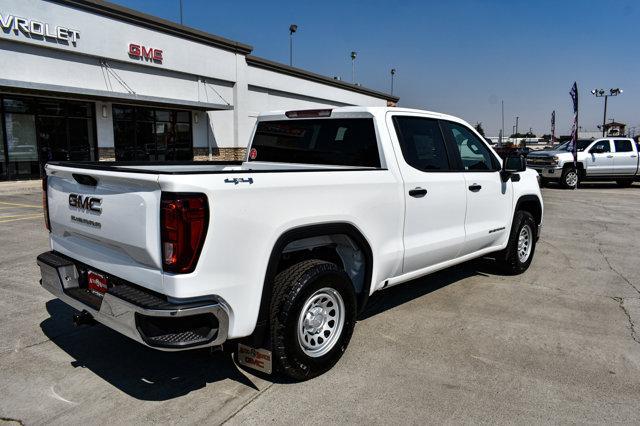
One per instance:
(35, 29)
(137, 51)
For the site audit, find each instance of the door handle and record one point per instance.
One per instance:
(633, 156)
(609, 156)
(475, 187)
(418, 192)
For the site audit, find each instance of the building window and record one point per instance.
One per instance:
(37, 130)
(148, 134)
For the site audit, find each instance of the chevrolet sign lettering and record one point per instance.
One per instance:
(32, 28)
(85, 202)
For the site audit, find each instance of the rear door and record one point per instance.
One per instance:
(489, 199)
(625, 158)
(600, 163)
(435, 195)
(108, 220)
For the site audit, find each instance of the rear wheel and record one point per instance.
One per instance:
(625, 183)
(516, 258)
(313, 313)
(569, 178)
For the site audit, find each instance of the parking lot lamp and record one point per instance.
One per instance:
(393, 73)
(353, 67)
(601, 93)
(292, 29)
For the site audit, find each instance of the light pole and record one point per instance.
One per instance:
(393, 73)
(502, 128)
(292, 29)
(353, 67)
(517, 118)
(180, 12)
(600, 93)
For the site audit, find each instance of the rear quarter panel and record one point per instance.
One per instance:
(246, 219)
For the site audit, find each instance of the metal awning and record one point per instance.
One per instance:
(26, 87)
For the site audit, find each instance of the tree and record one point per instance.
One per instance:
(479, 128)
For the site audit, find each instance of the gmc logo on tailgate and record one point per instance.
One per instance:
(85, 202)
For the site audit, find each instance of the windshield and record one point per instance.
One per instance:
(582, 145)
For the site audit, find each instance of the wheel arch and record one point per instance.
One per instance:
(532, 204)
(301, 233)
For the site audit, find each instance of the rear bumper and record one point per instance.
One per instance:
(141, 315)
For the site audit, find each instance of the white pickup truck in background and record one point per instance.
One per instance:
(281, 252)
(614, 158)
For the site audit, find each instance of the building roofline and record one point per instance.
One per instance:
(122, 13)
(307, 75)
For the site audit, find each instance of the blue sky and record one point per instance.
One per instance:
(459, 56)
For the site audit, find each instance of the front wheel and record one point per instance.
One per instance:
(569, 179)
(516, 258)
(313, 313)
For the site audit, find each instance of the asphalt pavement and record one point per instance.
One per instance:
(466, 345)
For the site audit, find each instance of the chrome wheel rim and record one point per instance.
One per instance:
(524, 243)
(571, 178)
(321, 321)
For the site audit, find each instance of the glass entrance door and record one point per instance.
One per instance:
(37, 130)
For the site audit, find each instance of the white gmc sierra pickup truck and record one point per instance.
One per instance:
(614, 158)
(278, 254)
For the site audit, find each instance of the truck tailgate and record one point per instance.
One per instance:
(112, 225)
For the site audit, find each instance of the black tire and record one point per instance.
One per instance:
(293, 287)
(569, 178)
(543, 182)
(508, 259)
(624, 183)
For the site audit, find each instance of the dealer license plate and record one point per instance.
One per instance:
(97, 283)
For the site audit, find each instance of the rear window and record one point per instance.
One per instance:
(338, 142)
(623, 146)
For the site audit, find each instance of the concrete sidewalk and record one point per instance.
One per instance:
(20, 187)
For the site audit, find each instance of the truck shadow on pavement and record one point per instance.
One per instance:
(151, 375)
(141, 372)
(411, 290)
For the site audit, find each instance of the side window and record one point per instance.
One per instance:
(474, 154)
(623, 146)
(603, 145)
(421, 142)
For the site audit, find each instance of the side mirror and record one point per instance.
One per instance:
(512, 165)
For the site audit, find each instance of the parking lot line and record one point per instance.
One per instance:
(14, 218)
(20, 205)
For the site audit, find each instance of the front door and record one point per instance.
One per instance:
(625, 159)
(489, 199)
(600, 159)
(435, 194)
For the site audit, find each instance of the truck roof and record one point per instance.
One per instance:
(357, 110)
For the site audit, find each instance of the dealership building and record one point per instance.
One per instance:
(87, 80)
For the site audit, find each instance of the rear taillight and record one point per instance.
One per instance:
(184, 218)
(45, 203)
